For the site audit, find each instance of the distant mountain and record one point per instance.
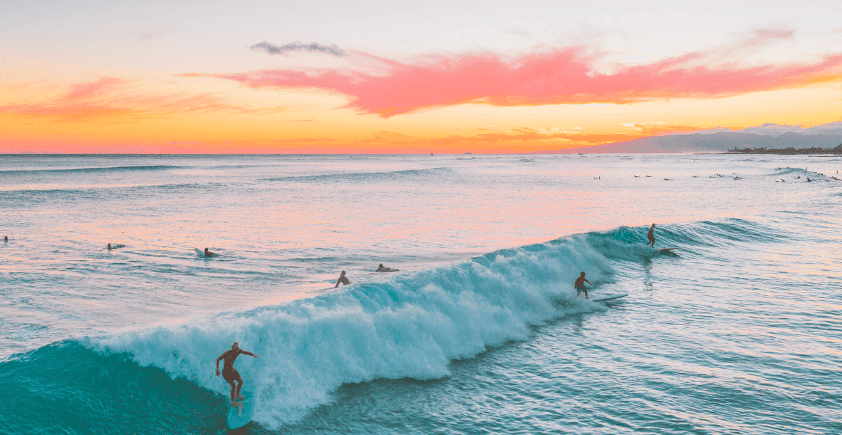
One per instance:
(766, 135)
(769, 129)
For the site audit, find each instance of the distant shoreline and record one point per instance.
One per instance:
(837, 150)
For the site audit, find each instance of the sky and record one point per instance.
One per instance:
(405, 77)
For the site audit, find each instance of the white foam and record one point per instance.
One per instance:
(412, 325)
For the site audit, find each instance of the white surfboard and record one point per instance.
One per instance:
(237, 419)
(609, 297)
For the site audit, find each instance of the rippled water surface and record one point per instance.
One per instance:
(738, 330)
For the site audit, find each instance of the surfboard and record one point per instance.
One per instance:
(236, 419)
(667, 249)
(202, 253)
(609, 297)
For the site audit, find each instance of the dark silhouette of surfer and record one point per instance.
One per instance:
(580, 285)
(385, 269)
(342, 280)
(208, 253)
(651, 236)
(230, 374)
(5, 238)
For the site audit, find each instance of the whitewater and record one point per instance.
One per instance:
(738, 330)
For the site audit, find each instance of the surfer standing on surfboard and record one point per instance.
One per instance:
(230, 374)
(651, 235)
(580, 285)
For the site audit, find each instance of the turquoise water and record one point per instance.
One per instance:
(736, 331)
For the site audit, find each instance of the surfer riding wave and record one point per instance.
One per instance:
(230, 374)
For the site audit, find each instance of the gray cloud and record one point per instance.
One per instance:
(297, 46)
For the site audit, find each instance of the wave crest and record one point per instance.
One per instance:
(410, 326)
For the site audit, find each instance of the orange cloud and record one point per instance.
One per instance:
(557, 77)
(110, 97)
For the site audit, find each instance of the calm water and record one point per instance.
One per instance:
(737, 331)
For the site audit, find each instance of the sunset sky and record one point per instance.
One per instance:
(405, 77)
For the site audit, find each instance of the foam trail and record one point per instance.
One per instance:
(410, 326)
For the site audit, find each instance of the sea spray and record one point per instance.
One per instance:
(410, 326)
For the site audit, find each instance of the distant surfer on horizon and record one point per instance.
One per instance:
(230, 374)
(342, 280)
(385, 269)
(651, 236)
(208, 253)
(580, 285)
(5, 238)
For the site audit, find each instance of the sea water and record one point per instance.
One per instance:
(480, 331)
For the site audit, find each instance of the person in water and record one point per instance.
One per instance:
(5, 238)
(651, 235)
(230, 374)
(342, 279)
(208, 253)
(386, 269)
(580, 285)
(109, 246)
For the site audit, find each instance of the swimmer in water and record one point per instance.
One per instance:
(342, 279)
(580, 285)
(230, 374)
(385, 269)
(651, 236)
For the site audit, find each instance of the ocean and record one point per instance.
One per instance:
(738, 330)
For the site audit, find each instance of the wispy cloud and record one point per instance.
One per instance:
(93, 89)
(298, 46)
(563, 76)
(149, 35)
(763, 36)
(110, 97)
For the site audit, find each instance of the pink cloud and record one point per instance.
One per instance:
(558, 77)
(93, 89)
(763, 36)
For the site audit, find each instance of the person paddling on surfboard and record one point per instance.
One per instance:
(580, 285)
(342, 279)
(208, 253)
(230, 374)
(651, 235)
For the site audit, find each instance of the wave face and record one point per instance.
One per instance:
(408, 326)
(68, 388)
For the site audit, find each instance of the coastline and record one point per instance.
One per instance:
(837, 150)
